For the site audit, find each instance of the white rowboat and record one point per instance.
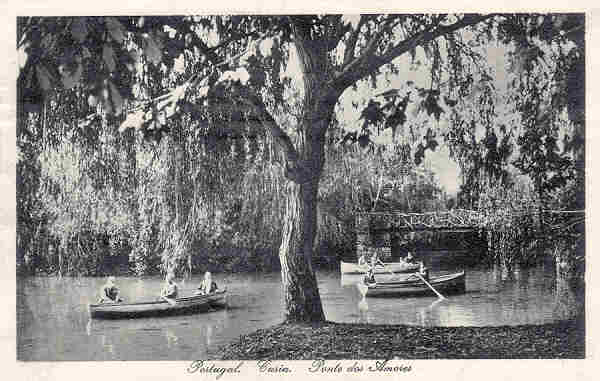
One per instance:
(395, 267)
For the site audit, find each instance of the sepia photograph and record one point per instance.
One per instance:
(278, 187)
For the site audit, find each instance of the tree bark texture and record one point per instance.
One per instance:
(300, 289)
(301, 292)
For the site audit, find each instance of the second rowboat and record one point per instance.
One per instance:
(449, 283)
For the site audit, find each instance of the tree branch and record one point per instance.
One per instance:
(373, 43)
(351, 43)
(290, 160)
(339, 29)
(235, 37)
(369, 63)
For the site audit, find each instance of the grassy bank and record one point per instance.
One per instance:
(331, 340)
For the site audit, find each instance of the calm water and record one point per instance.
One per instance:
(53, 321)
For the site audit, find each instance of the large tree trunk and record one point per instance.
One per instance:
(301, 293)
(300, 290)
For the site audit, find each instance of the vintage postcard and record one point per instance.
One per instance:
(299, 192)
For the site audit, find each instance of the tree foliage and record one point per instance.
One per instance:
(548, 82)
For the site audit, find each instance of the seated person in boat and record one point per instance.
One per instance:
(409, 258)
(424, 271)
(362, 260)
(376, 261)
(169, 290)
(422, 274)
(370, 277)
(110, 292)
(208, 285)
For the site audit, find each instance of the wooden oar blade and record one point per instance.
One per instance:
(430, 286)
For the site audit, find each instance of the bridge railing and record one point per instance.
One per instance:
(457, 219)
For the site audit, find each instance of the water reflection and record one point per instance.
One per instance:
(209, 333)
(363, 306)
(566, 302)
(107, 345)
(350, 280)
(171, 337)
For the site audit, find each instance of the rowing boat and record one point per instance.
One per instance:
(184, 305)
(394, 267)
(449, 283)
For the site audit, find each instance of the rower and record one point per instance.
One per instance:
(409, 258)
(370, 277)
(362, 260)
(375, 261)
(424, 271)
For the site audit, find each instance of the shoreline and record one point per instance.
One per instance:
(349, 341)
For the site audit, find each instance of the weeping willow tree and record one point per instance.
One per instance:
(543, 140)
(102, 194)
(84, 189)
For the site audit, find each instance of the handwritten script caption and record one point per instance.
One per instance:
(384, 366)
(316, 367)
(201, 367)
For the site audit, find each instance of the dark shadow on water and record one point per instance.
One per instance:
(156, 323)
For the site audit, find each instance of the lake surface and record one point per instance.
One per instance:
(53, 321)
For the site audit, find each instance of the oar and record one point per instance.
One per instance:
(430, 286)
(435, 303)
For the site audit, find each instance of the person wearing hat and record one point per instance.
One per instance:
(110, 292)
(169, 290)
